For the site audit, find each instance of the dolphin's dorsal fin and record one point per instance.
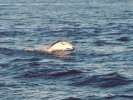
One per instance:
(57, 42)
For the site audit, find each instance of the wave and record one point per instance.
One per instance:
(8, 85)
(123, 97)
(123, 39)
(25, 59)
(111, 97)
(50, 73)
(12, 33)
(35, 74)
(3, 65)
(72, 98)
(103, 81)
(66, 73)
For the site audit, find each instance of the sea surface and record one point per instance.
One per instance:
(100, 67)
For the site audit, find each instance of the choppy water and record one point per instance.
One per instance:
(101, 67)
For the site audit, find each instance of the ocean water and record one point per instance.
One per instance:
(101, 66)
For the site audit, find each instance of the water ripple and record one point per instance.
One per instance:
(104, 81)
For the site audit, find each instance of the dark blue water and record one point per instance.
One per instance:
(100, 68)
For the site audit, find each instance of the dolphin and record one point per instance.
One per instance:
(59, 47)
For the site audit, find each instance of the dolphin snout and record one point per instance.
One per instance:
(73, 48)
